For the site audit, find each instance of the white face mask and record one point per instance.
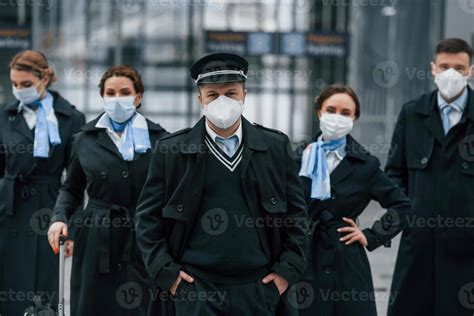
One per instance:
(335, 126)
(120, 109)
(26, 95)
(450, 83)
(223, 112)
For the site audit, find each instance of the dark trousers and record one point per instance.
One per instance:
(205, 298)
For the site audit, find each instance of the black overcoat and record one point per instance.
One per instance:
(108, 275)
(338, 279)
(170, 203)
(434, 268)
(28, 190)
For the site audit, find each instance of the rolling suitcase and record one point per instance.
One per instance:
(41, 309)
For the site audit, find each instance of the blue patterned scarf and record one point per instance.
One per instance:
(314, 166)
(137, 137)
(46, 128)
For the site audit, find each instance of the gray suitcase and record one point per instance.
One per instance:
(41, 309)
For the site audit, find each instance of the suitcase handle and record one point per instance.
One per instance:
(62, 241)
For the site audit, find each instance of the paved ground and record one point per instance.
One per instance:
(382, 261)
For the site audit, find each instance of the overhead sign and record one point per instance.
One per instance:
(15, 37)
(297, 44)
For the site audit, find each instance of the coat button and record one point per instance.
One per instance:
(119, 267)
(11, 118)
(465, 165)
(327, 270)
(103, 175)
(180, 208)
(274, 201)
(125, 174)
(424, 160)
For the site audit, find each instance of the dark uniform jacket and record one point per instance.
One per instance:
(170, 203)
(108, 274)
(335, 268)
(28, 189)
(435, 261)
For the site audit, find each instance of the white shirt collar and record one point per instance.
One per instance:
(104, 122)
(459, 104)
(339, 152)
(213, 134)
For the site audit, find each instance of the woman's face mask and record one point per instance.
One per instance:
(335, 126)
(29, 95)
(120, 109)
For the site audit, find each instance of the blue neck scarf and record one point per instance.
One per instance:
(314, 166)
(120, 127)
(136, 136)
(46, 128)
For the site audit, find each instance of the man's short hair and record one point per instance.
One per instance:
(454, 46)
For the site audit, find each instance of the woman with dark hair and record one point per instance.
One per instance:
(110, 161)
(340, 178)
(35, 144)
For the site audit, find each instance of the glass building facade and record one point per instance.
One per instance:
(162, 38)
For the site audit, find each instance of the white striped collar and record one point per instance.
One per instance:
(230, 163)
(214, 135)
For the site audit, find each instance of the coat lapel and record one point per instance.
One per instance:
(104, 141)
(193, 146)
(431, 117)
(469, 110)
(340, 172)
(253, 142)
(254, 160)
(354, 151)
(434, 125)
(20, 125)
(18, 121)
(60, 106)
